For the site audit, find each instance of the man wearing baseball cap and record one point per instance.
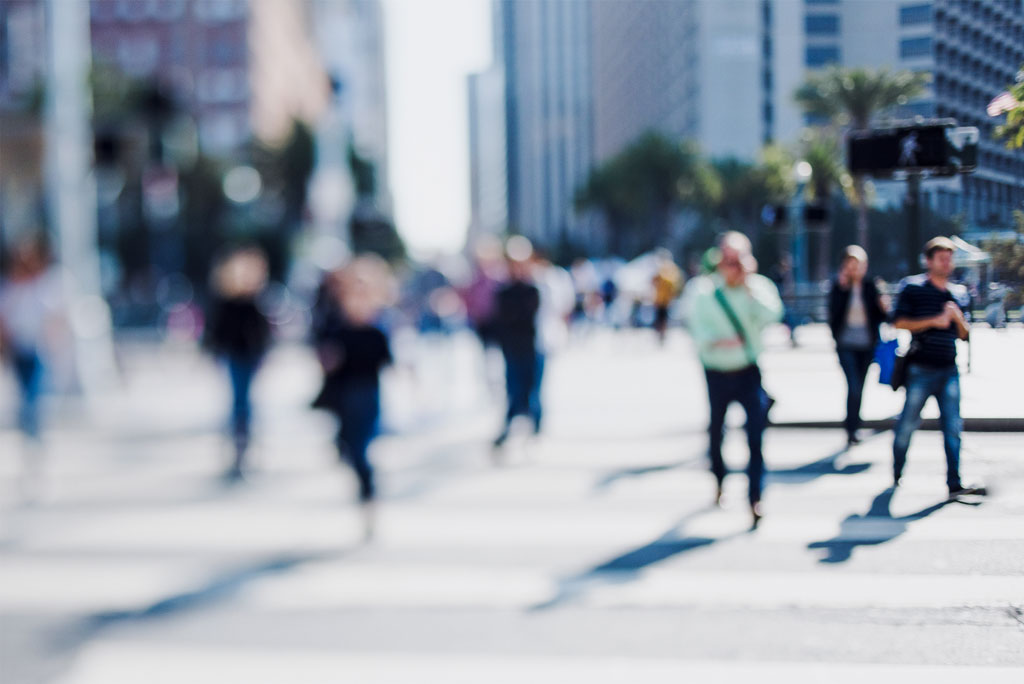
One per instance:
(931, 308)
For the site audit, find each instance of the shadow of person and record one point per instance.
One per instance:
(627, 566)
(827, 465)
(875, 527)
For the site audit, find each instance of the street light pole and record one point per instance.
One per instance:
(71, 189)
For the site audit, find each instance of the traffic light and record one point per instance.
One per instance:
(940, 149)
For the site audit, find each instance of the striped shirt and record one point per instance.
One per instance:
(919, 298)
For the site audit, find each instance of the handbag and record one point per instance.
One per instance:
(767, 400)
(885, 357)
(899, 367)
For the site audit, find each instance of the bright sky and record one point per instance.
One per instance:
(431, 47)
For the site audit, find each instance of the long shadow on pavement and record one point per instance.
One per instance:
(827, 465)
(219, 588)
(627, 566)
(877, 526)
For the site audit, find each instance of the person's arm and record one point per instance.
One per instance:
(958, 319)
(767, 307)
(916, 325)
(902, 321)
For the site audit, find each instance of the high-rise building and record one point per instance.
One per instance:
(349, 38)
(549, 115)
(724, 72)
(197, 49)
(488, 159)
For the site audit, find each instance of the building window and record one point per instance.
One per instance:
(821, 2)
(821, 25)
(821, 55)
(916, 47)
(915, 14)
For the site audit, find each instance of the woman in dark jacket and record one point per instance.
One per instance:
(856, 311)
(353, 351)
(239, 332)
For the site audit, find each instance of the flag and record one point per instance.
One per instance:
(1001, 103)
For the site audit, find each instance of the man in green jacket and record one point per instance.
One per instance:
(728, 310)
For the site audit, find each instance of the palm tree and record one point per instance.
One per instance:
(1013, 130)
(851, 98)
(638, 190)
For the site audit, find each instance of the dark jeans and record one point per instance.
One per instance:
(242, 370)
(523, 376)
(359, 411)
(854, 363)
(28, 368)
(743, 386)
(944, 385)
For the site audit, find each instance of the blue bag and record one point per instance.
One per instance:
(885, 357)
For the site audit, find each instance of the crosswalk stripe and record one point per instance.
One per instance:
(117, 663)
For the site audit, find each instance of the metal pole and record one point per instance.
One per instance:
(71, 189)
(913, 204)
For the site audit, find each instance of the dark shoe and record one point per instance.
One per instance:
(757, 514)
(718, 495)
(896, 482)
(852, 440)
(955, 492)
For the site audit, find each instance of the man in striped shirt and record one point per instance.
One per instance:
(931, 308)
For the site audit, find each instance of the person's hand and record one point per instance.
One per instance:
(956, 314)
(944, 319)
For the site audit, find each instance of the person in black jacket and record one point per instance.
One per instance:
(856, 311)
(239, 332)
(353, 351)
(515, 322)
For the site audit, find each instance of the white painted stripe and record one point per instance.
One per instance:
(249, 529)
(129, 663)
(334, 586)
(90, 586)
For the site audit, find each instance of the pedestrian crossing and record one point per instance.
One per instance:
(580, 557)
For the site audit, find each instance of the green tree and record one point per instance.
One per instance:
(1013, 130)
(639, 190)
(852, 97)
(1008, 262)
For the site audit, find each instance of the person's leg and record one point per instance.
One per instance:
(918, 389)
(242, 371)
(359, 415)
(718, 400)
(948, 395)
(848, 362)
(29, 371)
(536, 382)
(751, 397)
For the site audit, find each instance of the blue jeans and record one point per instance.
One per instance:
(28, 368)
(523, 376)
(359, 411)
(854, 363)
(944, 385)
(242, 370)
(743, 386)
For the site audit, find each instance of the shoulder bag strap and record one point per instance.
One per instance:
(731, 315)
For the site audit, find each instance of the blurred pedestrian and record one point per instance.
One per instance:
(855, 313)
(238, 332)
(353, 350)
(517, 306)
(932, 309)
(31, 316)
(667, 283)
(728, 311)
(479, 294)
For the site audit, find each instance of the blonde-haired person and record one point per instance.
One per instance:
(353, 350)
(855, 312)
(238, 331)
